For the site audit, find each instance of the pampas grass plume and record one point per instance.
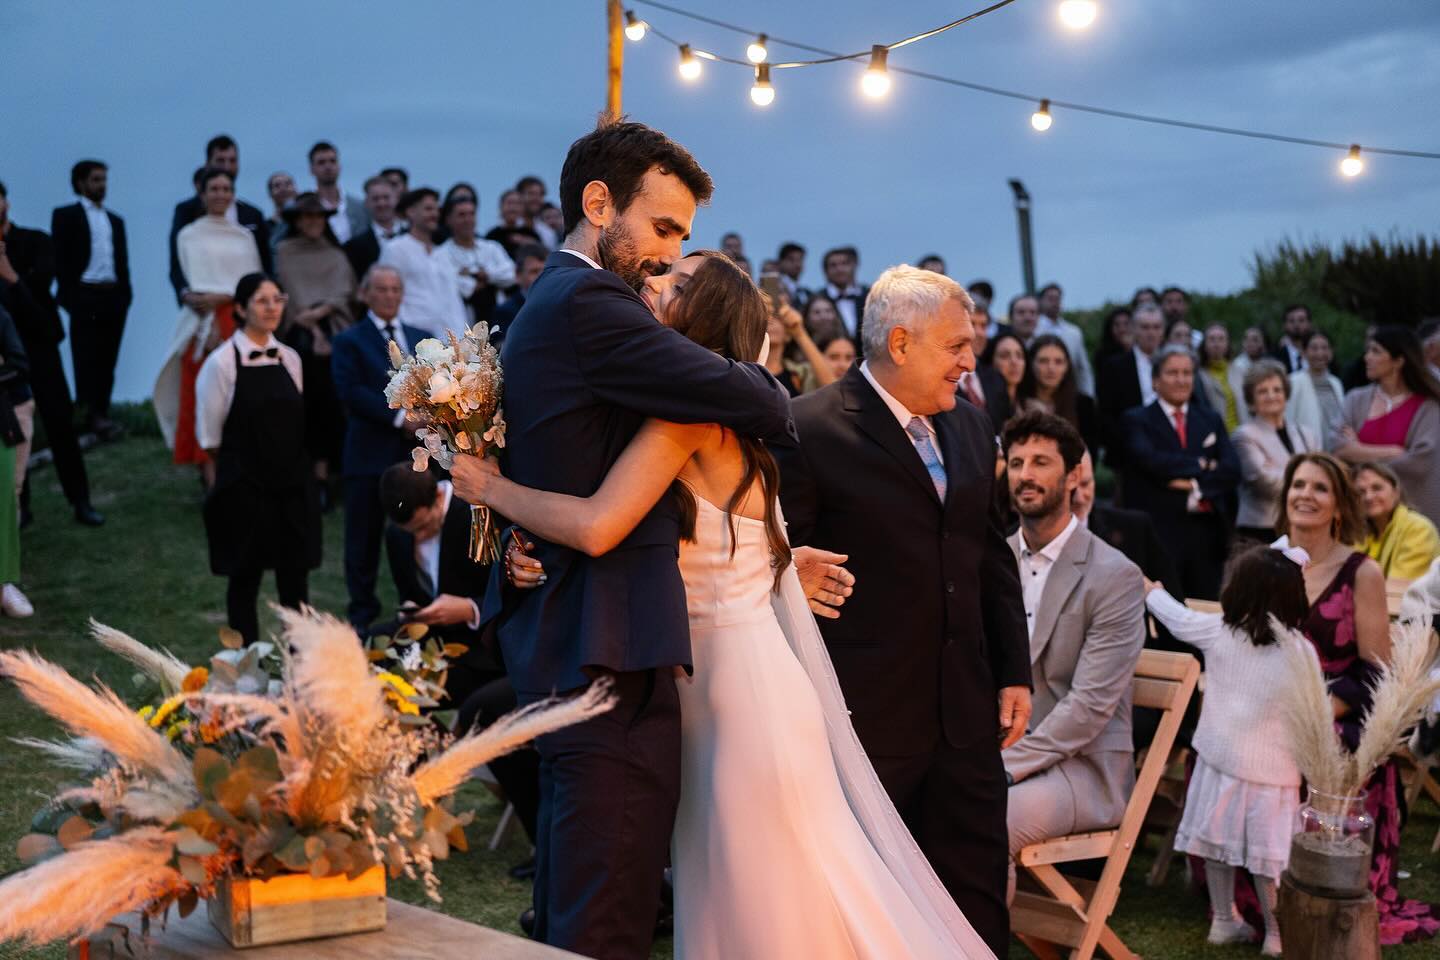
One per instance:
(1399, 696)
(98, 714)
(95, 881)
(162, 665)
(443, 775)
(1305, 705)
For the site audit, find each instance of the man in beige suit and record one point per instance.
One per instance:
(1084, 605)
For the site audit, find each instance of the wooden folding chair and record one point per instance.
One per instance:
(1074, 913)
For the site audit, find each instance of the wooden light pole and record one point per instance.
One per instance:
(617, 58)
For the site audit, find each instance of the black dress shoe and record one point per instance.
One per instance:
(523, 871)
(86, 515)
(527, 922)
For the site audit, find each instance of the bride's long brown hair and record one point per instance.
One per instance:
(721, 309)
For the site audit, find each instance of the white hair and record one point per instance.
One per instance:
(380, 268)
(908, 297)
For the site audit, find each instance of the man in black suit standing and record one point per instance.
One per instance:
(221, 153)
(1181, 469)
(375, 436)
(845, 291)
(27, 269)
(585, 364)
(92, 272)
(931, 650)
(1290, 351)
(363, 249)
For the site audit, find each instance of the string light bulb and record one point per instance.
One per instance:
(876, 80)
(1078, 14)
(757, 52)
(1041, 118)
(635, 27)
(1352, 165)
(762, 94)
(689, 66)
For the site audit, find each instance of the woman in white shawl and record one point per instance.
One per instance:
(214, 254)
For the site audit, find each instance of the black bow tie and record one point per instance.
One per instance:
(272, 353)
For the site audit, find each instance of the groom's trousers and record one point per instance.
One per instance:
(953, 800)
(609, 788)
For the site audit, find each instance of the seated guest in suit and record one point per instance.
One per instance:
(1125, 381)
(1401, 540)
(364, 248)
(375, 435)
(27, 269)
(1074, 768)
(1050, 385)
(221, 153)
(427, 543)
(529, 264)
(1181, 469)
(1264, 444)
(92, 268)
(261, 512)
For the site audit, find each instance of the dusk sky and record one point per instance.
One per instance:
(486, 92)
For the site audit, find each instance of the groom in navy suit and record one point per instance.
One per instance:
(375, 435)
(585, 363)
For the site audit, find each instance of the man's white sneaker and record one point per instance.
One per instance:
(14, 603)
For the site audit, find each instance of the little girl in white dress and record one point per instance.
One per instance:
(1241, 806)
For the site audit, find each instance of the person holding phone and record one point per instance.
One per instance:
(793, 358)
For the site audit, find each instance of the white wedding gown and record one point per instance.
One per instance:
(785, 844)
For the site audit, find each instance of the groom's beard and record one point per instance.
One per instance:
(616, 253)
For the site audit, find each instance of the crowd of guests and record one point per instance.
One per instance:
(273, 389)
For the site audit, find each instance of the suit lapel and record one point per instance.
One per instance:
(83, 234)
(876, 420)
(1063, 579)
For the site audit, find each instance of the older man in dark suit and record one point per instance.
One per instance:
(92, 270)
(375, 435)
(931, 649)
(1182, 471)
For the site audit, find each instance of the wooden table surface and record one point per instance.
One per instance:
(411, 933)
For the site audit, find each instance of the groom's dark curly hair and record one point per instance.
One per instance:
(619, 153)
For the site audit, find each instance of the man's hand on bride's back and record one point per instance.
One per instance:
(825, 581)
(472, 477)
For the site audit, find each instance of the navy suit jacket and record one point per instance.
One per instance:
(188, 211)
(585, 363)
(360, 365)
(1154, 457)
(937, 622)
(70, 229)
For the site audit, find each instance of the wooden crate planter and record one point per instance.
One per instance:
(251, 913)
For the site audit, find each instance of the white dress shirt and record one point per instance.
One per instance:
(427, 553)
(340, 219)
(432, 296)
(398, 335)
(903, 415)
(577, 253)
(215, 384)
(384, 236)
(846, 303)
(1035, 567)
(1145, 373)
(101, 268)
(484, 255)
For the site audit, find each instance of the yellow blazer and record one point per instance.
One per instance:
(1407, 545)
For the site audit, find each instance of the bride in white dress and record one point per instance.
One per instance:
(785, 844)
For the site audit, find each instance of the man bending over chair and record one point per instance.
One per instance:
(1085, 609)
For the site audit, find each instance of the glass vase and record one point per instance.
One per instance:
(1331, 853)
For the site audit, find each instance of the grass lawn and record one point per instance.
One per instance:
(146, 572)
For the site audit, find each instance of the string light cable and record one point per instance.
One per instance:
(831, 56)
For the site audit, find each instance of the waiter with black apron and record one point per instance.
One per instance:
(262, 511)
